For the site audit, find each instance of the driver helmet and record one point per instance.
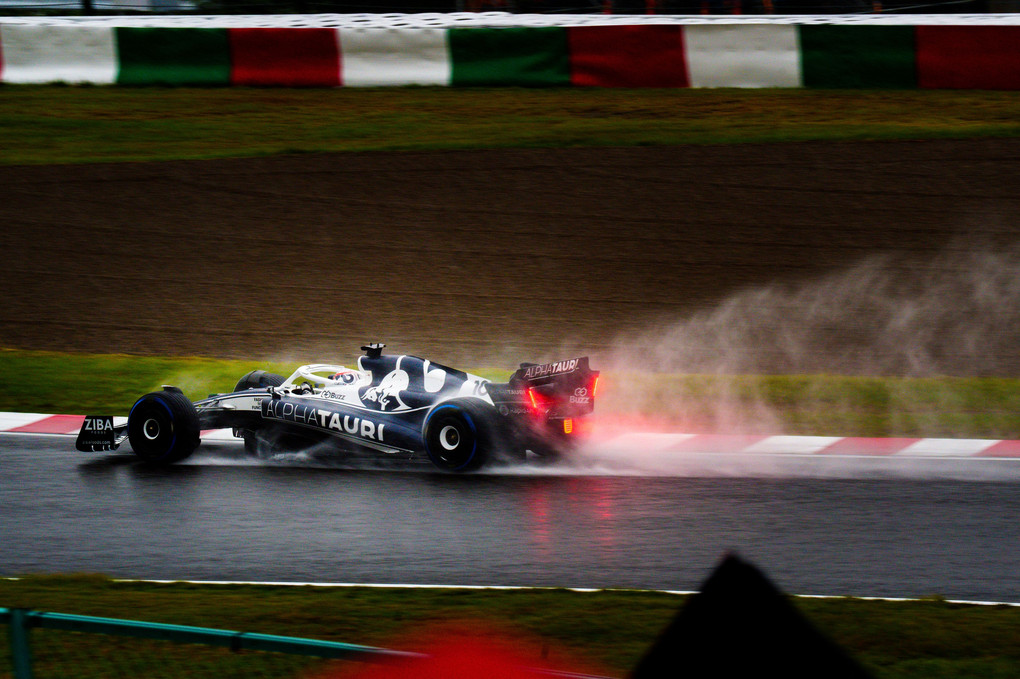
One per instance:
(344, 376)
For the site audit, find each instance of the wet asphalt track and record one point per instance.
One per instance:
(868, 528)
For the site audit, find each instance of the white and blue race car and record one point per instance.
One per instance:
(392, 405)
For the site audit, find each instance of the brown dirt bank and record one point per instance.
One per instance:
(481, 256)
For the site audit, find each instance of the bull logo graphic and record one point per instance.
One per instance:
(387, 395)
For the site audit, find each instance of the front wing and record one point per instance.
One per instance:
(99, 434)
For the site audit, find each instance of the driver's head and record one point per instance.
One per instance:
(344, 376)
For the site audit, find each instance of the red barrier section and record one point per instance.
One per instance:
(290, 57)
(868, 446)
(54, 424)
(968, 57)
(1002, 449)
(627, 56)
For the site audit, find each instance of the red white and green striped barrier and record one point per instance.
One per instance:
(944, 51)
(679, 443)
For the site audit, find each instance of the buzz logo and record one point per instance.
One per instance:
(580, 396)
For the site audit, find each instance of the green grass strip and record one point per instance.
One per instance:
(606, 630)
(53, 124)
(81, 384)
(821, 405)
(74, 384)
(824, 405)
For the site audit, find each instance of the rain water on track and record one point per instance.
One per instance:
(225, 517)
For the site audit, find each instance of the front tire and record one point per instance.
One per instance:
(458, 435)
(259, 379)
(163, 427)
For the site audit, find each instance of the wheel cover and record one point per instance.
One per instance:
(151, 429)
(449, 437)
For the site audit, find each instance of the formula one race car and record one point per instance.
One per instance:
(398, 406)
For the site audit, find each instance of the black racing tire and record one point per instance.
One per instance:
(259, 379)
(163, 427)
(458, 435)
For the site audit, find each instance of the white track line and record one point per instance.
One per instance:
(582, 590)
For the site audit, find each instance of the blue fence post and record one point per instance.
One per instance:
(21, 655)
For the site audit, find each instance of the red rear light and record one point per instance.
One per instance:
(594, 387)
(539, 403)
(568, 426)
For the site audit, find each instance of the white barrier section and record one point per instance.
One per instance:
(946, 448)
(749, 55)
(792, 445)
(73, 54)
(373, 57)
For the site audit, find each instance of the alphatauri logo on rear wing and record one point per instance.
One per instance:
(534, 372)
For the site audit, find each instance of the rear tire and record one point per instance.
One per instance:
(458, 435)
(259, 379)
(163, 427)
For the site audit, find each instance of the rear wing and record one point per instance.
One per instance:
(561, 389)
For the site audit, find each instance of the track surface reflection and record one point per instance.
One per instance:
(226, 517)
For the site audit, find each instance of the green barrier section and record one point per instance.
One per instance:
(858, 56)
(529, 57)
(173, 56)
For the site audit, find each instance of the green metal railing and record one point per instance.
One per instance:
(64, 651)
(20, 622)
